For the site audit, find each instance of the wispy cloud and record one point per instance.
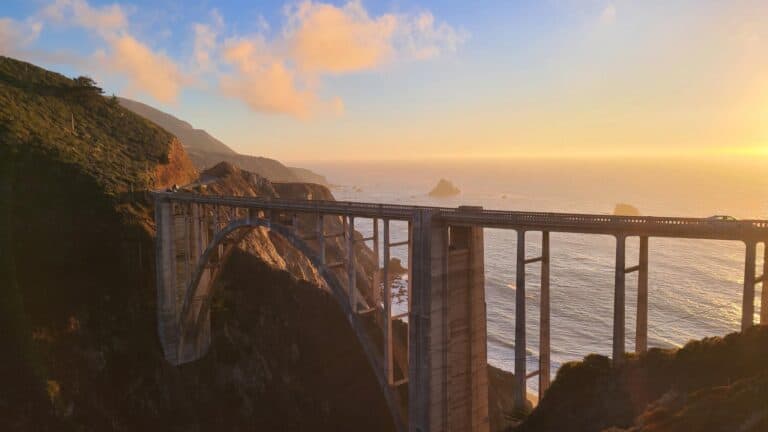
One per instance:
(283, 74)
(279, 69)
(144, 69)
(16, 35)
(608, 15)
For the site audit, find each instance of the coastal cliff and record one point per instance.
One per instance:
(716, 384)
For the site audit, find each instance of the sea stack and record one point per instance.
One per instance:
(444, 188)
(624, 209)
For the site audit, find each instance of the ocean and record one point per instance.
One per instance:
(694, 286)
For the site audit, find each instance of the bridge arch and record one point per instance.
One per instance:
(191, 320)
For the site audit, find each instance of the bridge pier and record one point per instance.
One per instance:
(619, 303)
(448, 378)
(544, 317)
(351, 267)
(182, 234)
(763, 290)
(521, 355)
(376, 278)
(641, 328)
(748, 298)
(520, 330)
(387, 294)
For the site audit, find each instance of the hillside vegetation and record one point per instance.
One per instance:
(45, 114)
(716, 384)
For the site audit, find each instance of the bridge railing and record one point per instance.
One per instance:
(603, 223)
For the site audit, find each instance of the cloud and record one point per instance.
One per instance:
(205, 43)
(283, 75)
(262, 81)
(608, 15)
(276, 71)
(323, 38)
(15, 35)
(105, 20)
(423, 39)
(144, 69)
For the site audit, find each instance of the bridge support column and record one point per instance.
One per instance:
(351, 268)
(544, 324)
(387, 285)
(619, 300)
(448, 377)
(376, 279)
(320, 234)
(641, 331)
(166, 279)
(181, 238)
(199, 342)
(520, 394)
(764, 288)
(748, 299)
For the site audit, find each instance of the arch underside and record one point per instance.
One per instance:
(192, 318)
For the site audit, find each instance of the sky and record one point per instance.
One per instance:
(393, 80)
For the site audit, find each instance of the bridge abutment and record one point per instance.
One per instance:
(182, 235)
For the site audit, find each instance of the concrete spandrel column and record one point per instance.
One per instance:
(764, 291)
(619, 304)
(387, 286)
(520, 392)
(748, 298)
(376, 278)
(320, 233)
(351, 268)
(544, 327)
(641, 332)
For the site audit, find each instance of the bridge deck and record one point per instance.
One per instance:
(651, 226)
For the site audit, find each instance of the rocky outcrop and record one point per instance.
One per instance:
(178, 171)
(624, 209)
(444, 189)
(712, 384)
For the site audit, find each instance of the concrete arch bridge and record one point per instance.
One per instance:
(445, 369)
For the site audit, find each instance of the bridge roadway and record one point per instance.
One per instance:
(446, 370)
(646, 226)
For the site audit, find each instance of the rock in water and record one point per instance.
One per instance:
(624, 209)
(444, 188)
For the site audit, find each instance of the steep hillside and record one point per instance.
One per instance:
(193, 139)
(44, 114)
(77, 295)
(207, 151)
(716, 384)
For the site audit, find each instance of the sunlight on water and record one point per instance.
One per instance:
(694, 285)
